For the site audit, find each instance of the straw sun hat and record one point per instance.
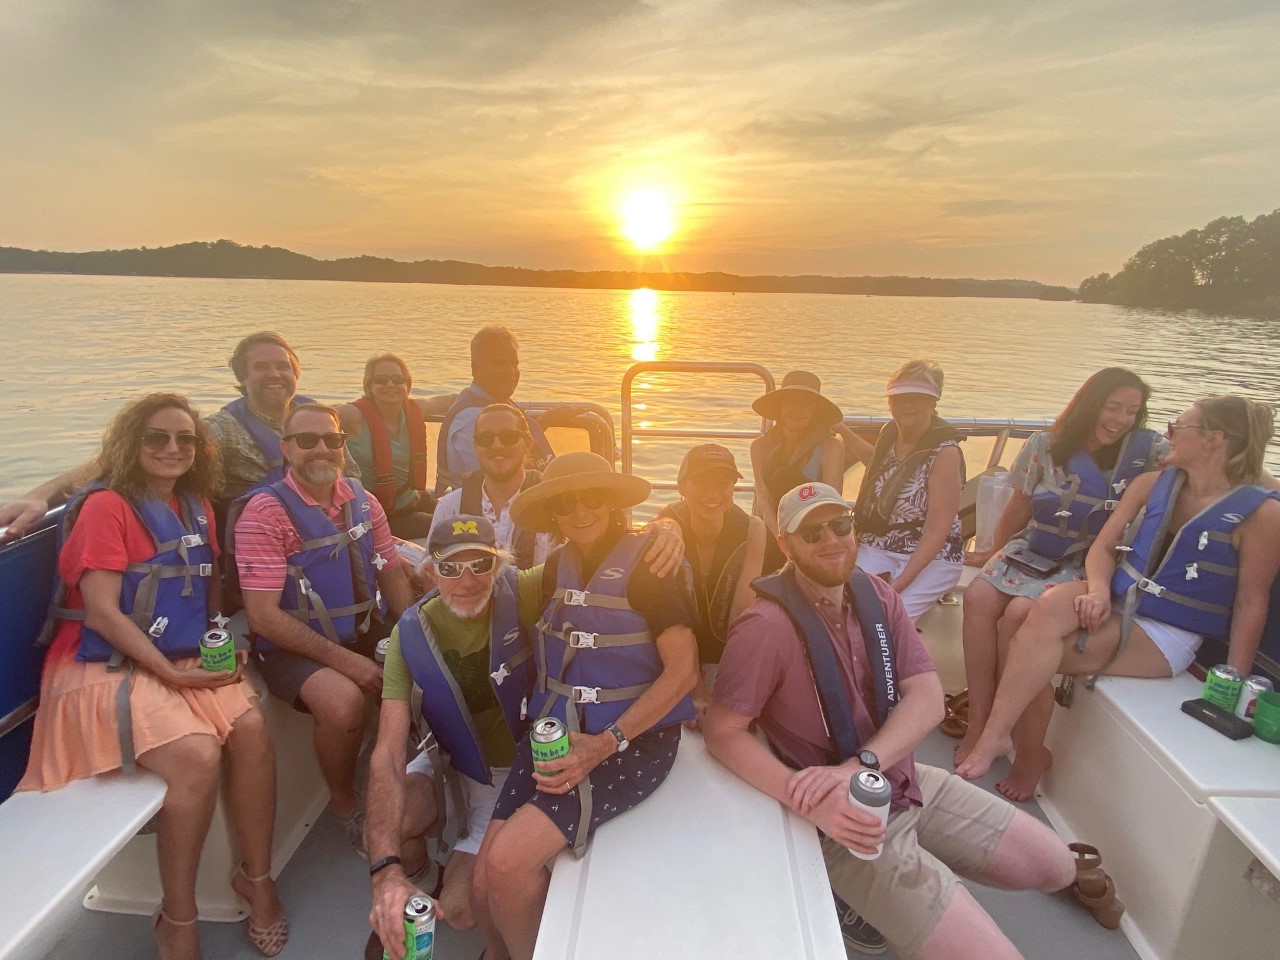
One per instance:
(798, 383)
(569, 473)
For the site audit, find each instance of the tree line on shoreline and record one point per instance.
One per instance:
(225, 259)
(1228, 266)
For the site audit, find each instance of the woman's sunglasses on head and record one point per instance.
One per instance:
(308, 440)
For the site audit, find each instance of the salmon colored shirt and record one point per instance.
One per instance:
(107, 536)
(765, 675)
(266, 537)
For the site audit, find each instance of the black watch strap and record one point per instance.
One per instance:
(382, 864)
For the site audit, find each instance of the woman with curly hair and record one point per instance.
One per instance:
(122, 680)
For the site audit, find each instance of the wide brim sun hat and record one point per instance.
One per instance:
(798, 383)
(568, 473)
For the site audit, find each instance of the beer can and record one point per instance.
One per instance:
(380, 651)
(1249, 696)
(869, 790)
(1222, 686)
(419, 929)
(549, 740)
(218, 651)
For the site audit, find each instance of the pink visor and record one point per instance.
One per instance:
(913, 386)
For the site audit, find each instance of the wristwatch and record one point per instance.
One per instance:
(618, 735)
(869, 760)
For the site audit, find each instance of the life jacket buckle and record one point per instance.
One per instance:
(1147, 585)
(1121, 548)
(500, 674)
(586, 694)
(578, 639)
(193, 540)
(1110, 505)
(158, 627)
(304, 584)
(524, 708)
(575, 598)
(1204, 541)
(1120, 485)
(1063, 513)
(206, 569)
(1193, 571)
(359, 530)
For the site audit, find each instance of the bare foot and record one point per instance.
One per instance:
(176, 941)
(1021, 783)
(983, 754)
(965, 746)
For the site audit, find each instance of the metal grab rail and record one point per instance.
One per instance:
(630, 431)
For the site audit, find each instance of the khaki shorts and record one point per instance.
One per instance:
(905, 891)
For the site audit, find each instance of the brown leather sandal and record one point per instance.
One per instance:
(956, 723)
(1094, 888)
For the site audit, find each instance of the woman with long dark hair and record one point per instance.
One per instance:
(138, 588)
(1066, 481)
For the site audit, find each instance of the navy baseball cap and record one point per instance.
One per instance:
(463, 532)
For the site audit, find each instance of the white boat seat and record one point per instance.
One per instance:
(53, 845)
(707, 867)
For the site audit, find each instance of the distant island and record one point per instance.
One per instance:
(226, 259)
(1228, 266)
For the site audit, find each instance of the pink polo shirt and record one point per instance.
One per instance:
(765, 675)
(266, 537)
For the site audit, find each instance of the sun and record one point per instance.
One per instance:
(648, 218)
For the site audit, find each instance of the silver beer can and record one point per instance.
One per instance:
(1249, 696)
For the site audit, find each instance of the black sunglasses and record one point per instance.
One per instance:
(839, 527)
(452, 569)
(382, 379)
(508, 438)
(307, 441)
(159, 439)
(564, 504)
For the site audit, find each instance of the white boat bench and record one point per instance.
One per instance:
(707, 867)
(53, 844)
(1178, 811)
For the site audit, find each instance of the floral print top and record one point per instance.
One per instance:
(912, 505)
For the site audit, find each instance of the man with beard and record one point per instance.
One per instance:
(467, 651)
(821, 623)
(319, 569)
(495, 374)
(502, 442)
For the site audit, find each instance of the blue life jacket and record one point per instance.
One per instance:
(469, 397)
(1065, 520)
(1193, 585)
(166, 596)
(593, 651)
(331, 584)
(266, 439)
(511, 676)
(873, 623)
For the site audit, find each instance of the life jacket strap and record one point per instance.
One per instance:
(583, 598)
(579, 639)
(505, 669)
(595, 694)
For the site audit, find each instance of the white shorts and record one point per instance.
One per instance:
(1178, 646)
(480, 800)
(925, 590)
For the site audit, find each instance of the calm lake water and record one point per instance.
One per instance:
(78, 347)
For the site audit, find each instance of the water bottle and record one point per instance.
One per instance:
(994, 492)
(870, 791)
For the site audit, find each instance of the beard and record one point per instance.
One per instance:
(825, 576)
(466, 610)
(318, 473)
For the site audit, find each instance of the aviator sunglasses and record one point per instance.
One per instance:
(508, 438)
(159, 439)
(452, 569)
(382, 379)
(308, 441)
(562, 505)
(840, 527)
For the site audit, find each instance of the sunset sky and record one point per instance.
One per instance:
(988, 138)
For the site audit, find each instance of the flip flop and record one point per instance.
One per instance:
(956, 723)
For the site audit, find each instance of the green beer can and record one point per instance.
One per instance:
(1222, 686)
(549, 740)
(218, 651)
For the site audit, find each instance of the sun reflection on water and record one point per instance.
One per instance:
(646, 319)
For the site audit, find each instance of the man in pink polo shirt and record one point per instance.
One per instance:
(832, 704)
(320, 576)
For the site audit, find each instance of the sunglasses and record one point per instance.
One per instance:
(508, 438)
(839, 527)
(308, 441)
(564, 504)
(452, 569)
(159, 439)
(382, 379)
(1175, 426)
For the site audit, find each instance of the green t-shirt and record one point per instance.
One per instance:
(464, 645)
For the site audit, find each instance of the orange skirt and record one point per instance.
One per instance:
(76, 735)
